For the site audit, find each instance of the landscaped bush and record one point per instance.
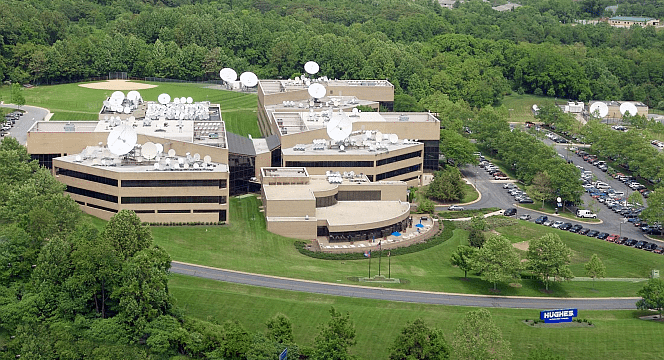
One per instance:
(442, 236)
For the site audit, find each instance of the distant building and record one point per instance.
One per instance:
(572, 107)
(628, 21)
(506, 7)
(614, 113)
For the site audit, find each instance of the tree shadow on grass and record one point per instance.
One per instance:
(475, 285)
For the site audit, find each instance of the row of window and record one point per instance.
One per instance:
(398, 172)
(402, 157)
(330, 164)
(85, 176)
(92, 194)
(221, 183)
(173, 200)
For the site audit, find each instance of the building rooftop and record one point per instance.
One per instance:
(361, 213)
(631, 18)
(282, 172)
(298, 84)
(317, 183)
(355, 146)
(96, 156)
(506, 7)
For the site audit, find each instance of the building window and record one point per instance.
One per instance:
(102, 208)
(326, 201)
(330, 164)
(398, 172)
(402, 157)
(174, 211)
(359, 195)
(45, 160)
(92, 194)
(221, 183)
(85, 176)
(174, 200)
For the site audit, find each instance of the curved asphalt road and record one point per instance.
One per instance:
(31, 115)
(423, 297)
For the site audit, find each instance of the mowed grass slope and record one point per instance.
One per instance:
(73, 102)
(246, 245)
(615, 335)
(522, 105)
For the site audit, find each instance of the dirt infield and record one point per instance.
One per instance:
(521, 245)
(117, 85)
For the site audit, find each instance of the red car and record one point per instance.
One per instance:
(612, 238)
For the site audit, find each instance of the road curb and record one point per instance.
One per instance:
(479, 197)
(558, 216)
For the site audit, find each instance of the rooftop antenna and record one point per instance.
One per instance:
(171, 153)
(629, 108)
(248, 79)
(599, 108)
(311, 67)
(160, 148)
(207, 159)
(339, 127)
(394, 138)
(149, 150)
(121, 140)
(190, 100)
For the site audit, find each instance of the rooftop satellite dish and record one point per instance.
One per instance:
(186, 165)
(228, 74)
(183, 100)
(197, 157)
(171, 153)
(133, 95)
(628, 108)
(79, 158)
(118, 95)
(317, 91)
(379, 136)
(196, 166)
(127, 110)
(248, 79)
(207, 159)
(156, 166)
(342, 148)
(176, 100)
(164, 99)
(311, 67)
(600, 108)
(341, 129)
(95, 161)
(149, 150)
(394, 138)
(190, 100)
(160, 148)
(121, 140)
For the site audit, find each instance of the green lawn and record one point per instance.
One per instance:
(615, 335)
(469, 194)
(245, 245)
(522, 106)
(72, 102)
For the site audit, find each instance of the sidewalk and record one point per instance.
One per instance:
(558, 216)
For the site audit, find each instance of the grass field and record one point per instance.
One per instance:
(615, 335)
(245, 245)
(522, 105)
(73, 102)
(469, 194)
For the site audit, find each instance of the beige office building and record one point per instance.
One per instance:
(343, 207)
(629, 21)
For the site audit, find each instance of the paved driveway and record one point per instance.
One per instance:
(32, 114)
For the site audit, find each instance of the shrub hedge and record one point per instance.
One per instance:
(442, 236)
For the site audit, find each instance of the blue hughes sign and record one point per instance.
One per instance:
(558, 316)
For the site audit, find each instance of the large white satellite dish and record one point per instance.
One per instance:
(133, 95)
(164, 99)
(118, 95)
(228, 74)
(149, 150)
(628, 108)
(121, 140)
(599, 107)
(341, 129)
(317, 91)
(248, 79)
(311, 67)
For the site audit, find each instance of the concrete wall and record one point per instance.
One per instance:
(293, 227)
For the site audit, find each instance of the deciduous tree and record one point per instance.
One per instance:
(478, 338)
(497, 261)
(335, 338)
(595, 268)
(652, 295)
(549, 257)
(463, 258)
(417, 341)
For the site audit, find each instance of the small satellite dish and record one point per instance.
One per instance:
(156, 166)
(79, 158)
(176, 100)
(160, 148)
(599, 107)
(164, 99)
(628, 108)
(95, 161)
(207, 159)
(196, 166)
(190, 100)
(342, 148)
(121, 140)
(171, 153)
(311, 67)
(186, 165)
(379, 136)
(149, 150)
(228, 74)
(183, 100)
(133, 95)
(119, 95)
(394, 138)
(317, 91)
(127, 110)
(248, 79)
(197, 157)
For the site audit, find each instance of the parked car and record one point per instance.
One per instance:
(585, 214)
(592, 233)
(602, 236)
(541, 219)
(455, 208)
(510, 212)
(524, 217)
(557, 224)
(641, 244)
(630, 242)
(509, 186)
(547, 223)
(621, 240)
(583, 231)
(575, 228)
(650, 247)
(612, 238)
(565, 226)
(525, 200)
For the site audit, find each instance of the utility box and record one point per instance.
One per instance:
(655, 274)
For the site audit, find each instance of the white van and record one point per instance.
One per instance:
(585, 214)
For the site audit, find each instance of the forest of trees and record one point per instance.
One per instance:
(472, 53)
